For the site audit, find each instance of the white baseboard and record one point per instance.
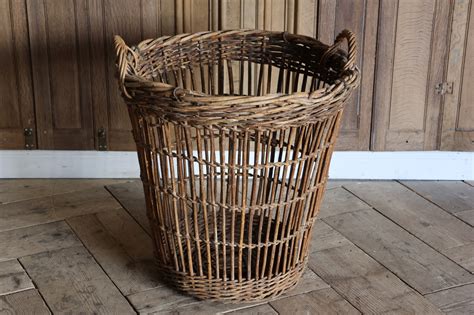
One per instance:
(428, 165)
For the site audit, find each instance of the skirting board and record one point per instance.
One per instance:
(428, 165)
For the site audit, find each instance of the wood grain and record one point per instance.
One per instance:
(12, 190)
(455, 197)
(454, 73)
(325, 301)
(459, 300)
(132, 198)
(121, 247)
(417, 264)
(325, 237)
(410, 60)
(13, 278)
(263, 309)
(36, 239)
(16, 91)
(350, 271)
(55, 208)
(61, 73)
(85, 288)
(339, 200)
(417, 215)
(23, 303)
(466, 108)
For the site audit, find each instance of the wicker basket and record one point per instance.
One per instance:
(234, 132)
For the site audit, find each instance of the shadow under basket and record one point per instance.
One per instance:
(235, 132)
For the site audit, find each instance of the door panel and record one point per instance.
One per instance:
(410, 61)
(16, 95)
(361, 17)
(61, 73)
(458, 114)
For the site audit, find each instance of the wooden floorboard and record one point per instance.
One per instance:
(422, 218)
(456, 197)
(264, 309)
(366, 284)
(416, 263)
(459, 300)
(13, 278)
(325, 301)
(13, 190)
(72, 282)
(130, 195)
(36, 239)
(23, 303)
(55, 208)
(121, 247)
(72, 246)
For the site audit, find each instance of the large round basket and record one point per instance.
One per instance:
(235, 131)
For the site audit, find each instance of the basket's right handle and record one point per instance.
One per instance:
(122, 50)
(351, 48)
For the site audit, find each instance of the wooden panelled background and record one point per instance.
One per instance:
(58, 82)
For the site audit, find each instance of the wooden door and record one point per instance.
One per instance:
(134, 21)
(78, 105)
(458, 114)
(16, 95)
(360, 17)
(411, 52)
(61, 73)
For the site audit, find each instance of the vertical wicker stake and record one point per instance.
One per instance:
(234, 132)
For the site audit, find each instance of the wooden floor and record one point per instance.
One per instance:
(74, 246)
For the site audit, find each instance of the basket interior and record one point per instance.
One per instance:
(252, 64)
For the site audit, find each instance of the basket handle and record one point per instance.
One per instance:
(122, 51)
(351, 48)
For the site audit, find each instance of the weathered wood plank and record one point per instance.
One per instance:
(415, 214)
(366, 284)
(406, 256)
(159, 300)
(325, 301)
(459, 300)
(23, 303)
(72, 282)
(456, 197)
(164, 300)
(325, 237)
(13, 190)
(36, 239)
(339, 200)
(121, 247)
(463, 255)
(130, 195)
(263, 309)
(55, 208)
(13, 278)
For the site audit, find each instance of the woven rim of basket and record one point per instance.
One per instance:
(202, 108)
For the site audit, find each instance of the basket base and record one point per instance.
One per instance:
(232, 291)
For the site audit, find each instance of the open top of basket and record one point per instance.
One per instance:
(244, 78)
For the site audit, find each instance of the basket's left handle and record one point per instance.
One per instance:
(121, 50)
(351, 48)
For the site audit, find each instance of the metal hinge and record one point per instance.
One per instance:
(29, 138)
(102, 139)
(444, 88)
